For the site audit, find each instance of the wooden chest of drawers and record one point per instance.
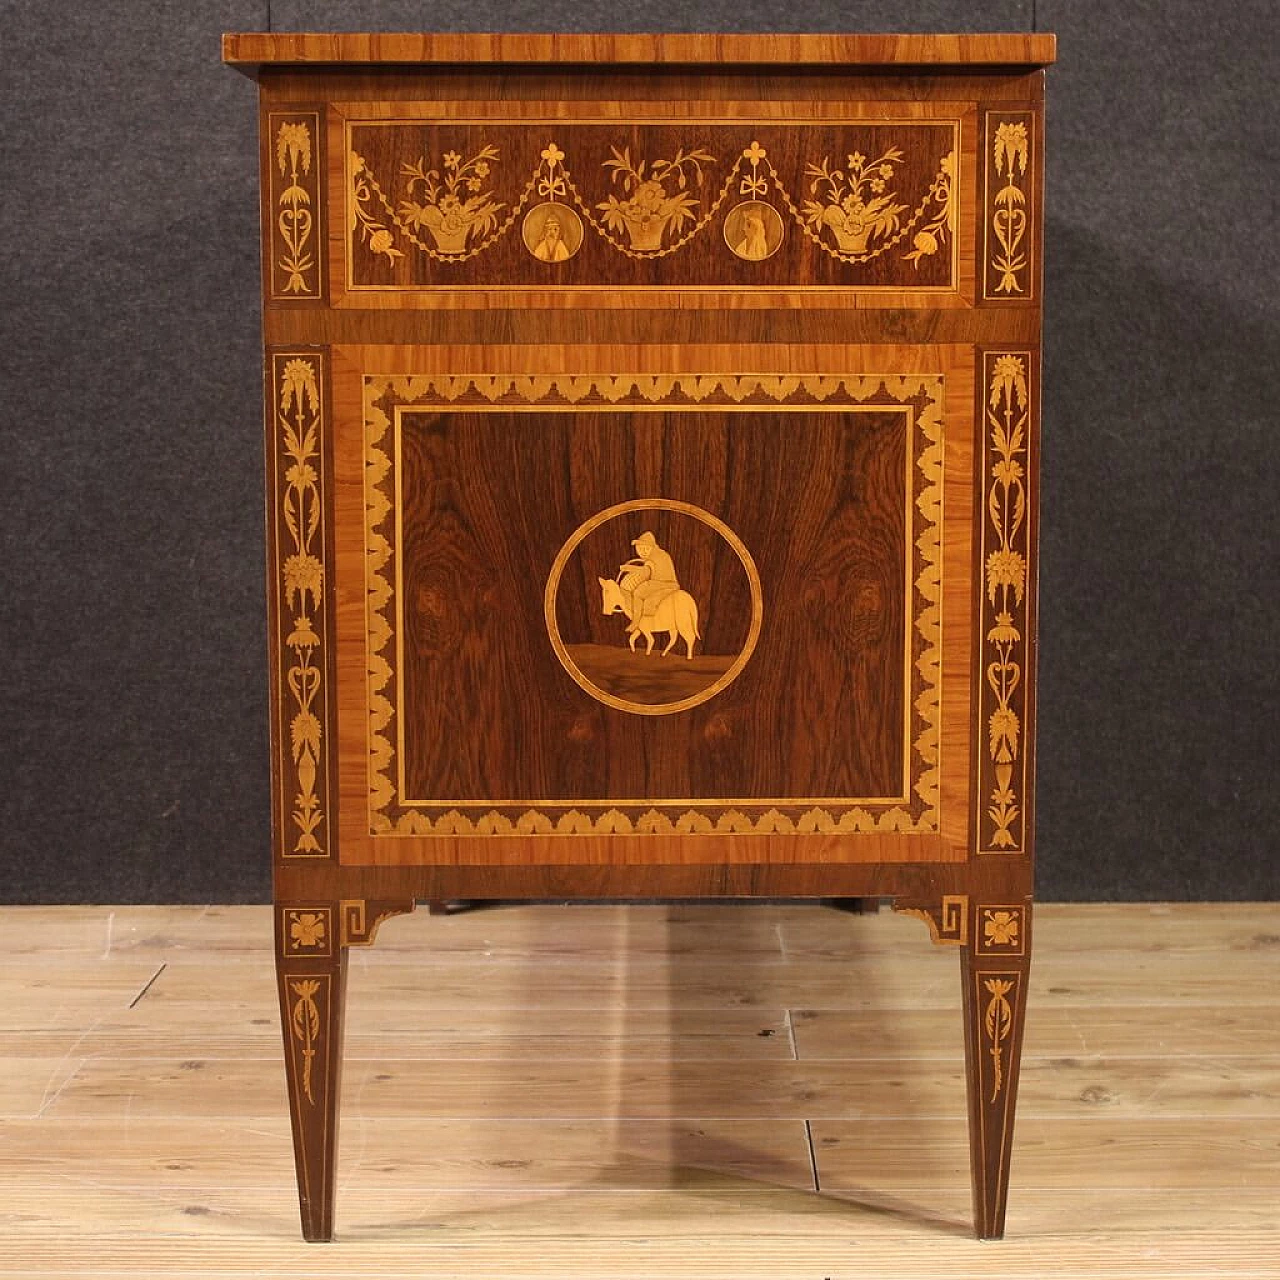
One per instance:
(652, 427)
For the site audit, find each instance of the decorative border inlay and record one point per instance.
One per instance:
(1005, 609)
(307, 931)
(948, 921)
(1001, 994)
(299, 476)
(824, 816)
(1007, 271)
(1001, 931)
(308, 996)
(451, 206)
(296, 208)
(360, 919)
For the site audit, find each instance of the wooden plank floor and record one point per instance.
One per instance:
(707, 1091)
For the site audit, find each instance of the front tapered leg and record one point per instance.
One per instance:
(311, 970)
(994, 967)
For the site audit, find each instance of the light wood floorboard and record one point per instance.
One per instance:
(608, 1091)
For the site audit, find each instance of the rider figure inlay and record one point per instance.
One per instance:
(651, 578)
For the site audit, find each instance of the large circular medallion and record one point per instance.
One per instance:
(654, 606)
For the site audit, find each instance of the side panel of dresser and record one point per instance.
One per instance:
(995, 889)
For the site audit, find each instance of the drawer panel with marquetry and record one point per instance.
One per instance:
(895, 203)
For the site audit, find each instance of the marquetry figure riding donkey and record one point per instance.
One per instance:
(649, 593)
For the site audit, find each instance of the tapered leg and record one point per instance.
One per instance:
(994, 967)
(311, 968)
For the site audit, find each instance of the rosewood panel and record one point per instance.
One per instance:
(494, 531)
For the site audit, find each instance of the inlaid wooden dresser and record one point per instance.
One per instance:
(651, 443)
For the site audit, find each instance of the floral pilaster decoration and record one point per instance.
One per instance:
(1011, 149)
(292, 183)
(1006, 584)
(302, 592)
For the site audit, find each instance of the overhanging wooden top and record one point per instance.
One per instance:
(250, 50)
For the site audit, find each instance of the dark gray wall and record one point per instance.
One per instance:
(132, 749)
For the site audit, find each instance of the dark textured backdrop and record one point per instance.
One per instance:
(133, 751)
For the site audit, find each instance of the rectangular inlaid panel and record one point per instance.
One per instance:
(1010, 219)
(837, 204)
(1005, 608)
(652, 605)
(299, 531)
(293, 187)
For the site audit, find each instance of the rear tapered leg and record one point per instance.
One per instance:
(994, 967)
(311, 971)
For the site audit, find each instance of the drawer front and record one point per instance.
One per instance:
(868, 200)
(457, 203)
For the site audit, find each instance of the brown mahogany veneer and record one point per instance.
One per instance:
(652, 440)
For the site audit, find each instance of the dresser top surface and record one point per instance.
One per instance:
(255, 49)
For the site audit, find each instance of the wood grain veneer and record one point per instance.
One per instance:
(257, 49)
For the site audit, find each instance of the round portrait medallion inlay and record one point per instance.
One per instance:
(552, 232)
(753, 230)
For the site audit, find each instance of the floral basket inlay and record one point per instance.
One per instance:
(649, 212)
(856, 208)
(454, 208)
